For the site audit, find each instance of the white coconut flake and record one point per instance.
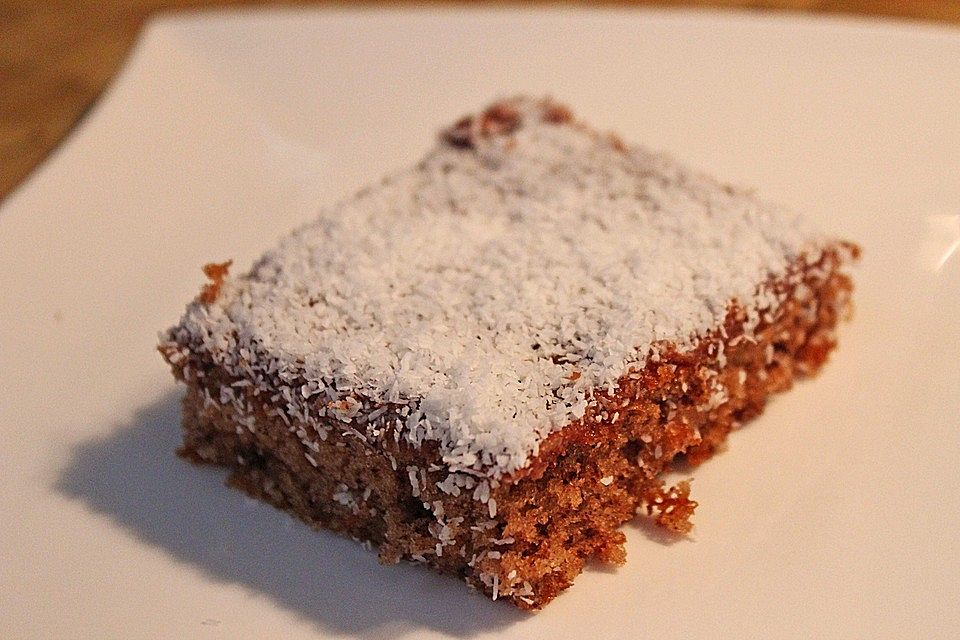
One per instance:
(468, 290)
(414, 481)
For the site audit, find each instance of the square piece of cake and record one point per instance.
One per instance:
(485, 362)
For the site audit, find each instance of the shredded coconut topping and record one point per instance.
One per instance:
(485, 293)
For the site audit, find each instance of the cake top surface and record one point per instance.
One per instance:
(487, 292)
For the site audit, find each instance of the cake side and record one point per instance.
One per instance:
(525, 536)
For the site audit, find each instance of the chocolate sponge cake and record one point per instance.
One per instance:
(485, 362)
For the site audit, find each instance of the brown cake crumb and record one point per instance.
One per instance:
(673, 506)
(216, 271)
(460, 134)
(499, 119)
(555, 113)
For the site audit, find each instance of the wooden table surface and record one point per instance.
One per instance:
(57, 55)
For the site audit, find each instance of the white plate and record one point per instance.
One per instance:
(836, 514)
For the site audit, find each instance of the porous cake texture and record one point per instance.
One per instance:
(484, 362)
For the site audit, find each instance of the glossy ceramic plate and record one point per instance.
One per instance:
(833, 515)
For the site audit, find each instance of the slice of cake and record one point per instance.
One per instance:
(484, 362)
